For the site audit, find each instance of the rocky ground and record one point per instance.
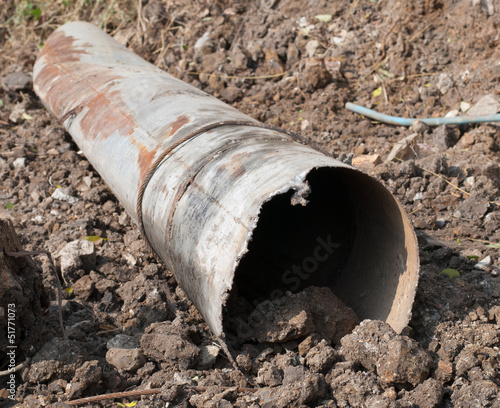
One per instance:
(292, 64)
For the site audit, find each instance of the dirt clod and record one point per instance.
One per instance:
(169, 348)
(298, 315)
(125, 359)
(396, 359)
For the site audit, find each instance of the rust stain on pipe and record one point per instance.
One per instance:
(213, 190)
(177, 124)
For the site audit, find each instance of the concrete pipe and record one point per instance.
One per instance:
(226, 202)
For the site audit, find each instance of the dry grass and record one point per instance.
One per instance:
(151, 30)
(25, 24)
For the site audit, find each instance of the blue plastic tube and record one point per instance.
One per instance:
(395, 120)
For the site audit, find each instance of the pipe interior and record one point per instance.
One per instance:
(350, 237)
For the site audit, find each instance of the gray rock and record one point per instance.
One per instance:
(419, 127)
(208, 356)
(483, 264)
(19, 163)
(486, 105)
(17, 81)
(444, 137)
(122, 341)
(204, 45)
(444, 83)
(78, 254)
(61, 195)
(125, 359)
(404, 149)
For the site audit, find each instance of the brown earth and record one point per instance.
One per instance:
(131, 327)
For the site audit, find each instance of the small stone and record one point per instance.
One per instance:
(480, 311)
(58, 386)
(311, 48)
(419, 127)
(444, 137)
(281, 320)
(78, 254)
(17, 81)
(122, 341)
(452, 114)
(315, 75)
(61, 195)
(231, 93)
(486, 105)
(494, 314)
(405, 149)
(444, 372)
(83, 287)
(366, 162)
(467, 359)
(104, 285)
(469, 181)
(208, 356)
(125, 359)
(123, 218)
(204, 45)
(391, 393)
(38, 220)
(467, 140)
(238, 59)
(473, 316)
(418, 196)
(483, 264)
(19, 163)
(445, 83)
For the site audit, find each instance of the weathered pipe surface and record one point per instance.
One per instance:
(222, 199)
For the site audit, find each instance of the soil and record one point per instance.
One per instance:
(292, 64)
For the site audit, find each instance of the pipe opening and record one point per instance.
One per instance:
(350, 237)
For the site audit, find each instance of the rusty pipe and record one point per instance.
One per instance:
(226, 202)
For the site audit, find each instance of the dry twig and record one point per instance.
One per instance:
(151, 391)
